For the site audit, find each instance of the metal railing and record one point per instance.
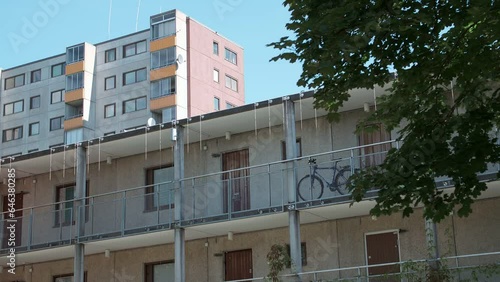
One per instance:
(251, 191)
(470, 267)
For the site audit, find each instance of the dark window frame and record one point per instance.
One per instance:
(298, 142)
(62, 96)
(13, 138)
(135, 48)
(106, 59)
(63, 69)
(14, 84)
(124, 108)
(32, 98)
(216, 99)
(231, 79)
(61, 123)
(31, 76)
(135, 76)
(31, 126)
(228, 58)
(215, 48)
(303, 249)
(106, 83)
(13, 107)
(149, 202)
(57, 221)
(148, 269)
(114, 110)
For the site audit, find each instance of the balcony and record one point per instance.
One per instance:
(162, 43)
(259, 191)
(75, 67)
(163, 72)
(71, 97)
(73, 122)
(162, 102)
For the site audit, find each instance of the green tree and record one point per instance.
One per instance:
(343, 45)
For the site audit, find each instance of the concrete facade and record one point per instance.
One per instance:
(93, 109)
(125, 228)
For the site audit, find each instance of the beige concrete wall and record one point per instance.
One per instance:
(329, 244)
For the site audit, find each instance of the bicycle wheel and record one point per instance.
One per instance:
(342, 180)
(310, 189)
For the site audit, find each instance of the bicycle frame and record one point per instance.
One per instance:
(331, 185)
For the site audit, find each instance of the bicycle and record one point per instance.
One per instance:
(311, 186)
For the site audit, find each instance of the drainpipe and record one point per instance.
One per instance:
(179, 240)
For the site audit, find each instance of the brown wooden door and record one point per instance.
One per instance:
(382, 248)
(238, 265)
(374, 155)
(18, 217)
(238, 180)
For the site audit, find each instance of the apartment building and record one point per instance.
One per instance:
(175, 69)
(205, 198)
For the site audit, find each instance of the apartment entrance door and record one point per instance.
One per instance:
(238, 265)
(236, 181)
(18, 216)
(382, 248)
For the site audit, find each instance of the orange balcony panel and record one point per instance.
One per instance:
(162, 72)
(162, 43)
(75, 67)
(73, 95)
(162, 102)
(73, 123)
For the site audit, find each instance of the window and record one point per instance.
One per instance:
(12, 134)
(109, 110)
(134, 76)
(15, 81)
(58, 70)
(56, 96)
(159, 190)
(75, 54)
(159, 271)
(134, 49)
(216, 75)
(110, 82)
(163, 29)
(231, 83)
(168, 114)
(216, 103)
(216, 48)
(56, 123)
(74, 81)
(162, 58)
(303, 251)
(229, 105)
(134, 105)
(374, 155)
(163, 87)
(14, 107)
(36, 75)
(65, 210)
(67, 278)
(230, 56)
(35, 102)
(34, 128)
(299, 148)
(110, 55)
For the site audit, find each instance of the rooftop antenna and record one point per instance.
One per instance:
(109, 18)
(137, 18)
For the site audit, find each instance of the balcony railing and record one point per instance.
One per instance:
(472, 267)
(228, 195)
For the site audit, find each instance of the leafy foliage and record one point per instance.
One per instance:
(445, 100)
(277, 259)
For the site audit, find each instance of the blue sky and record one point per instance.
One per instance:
(37, 29)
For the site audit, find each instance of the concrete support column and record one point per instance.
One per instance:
(79, 203)
(432, 242)
(180, 257)
(291, 176)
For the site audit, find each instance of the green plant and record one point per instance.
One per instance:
(277, 259)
